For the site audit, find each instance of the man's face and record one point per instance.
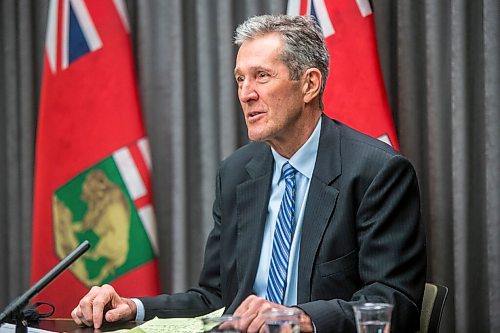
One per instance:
(271, 102)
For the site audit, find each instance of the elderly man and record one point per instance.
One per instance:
(310, 214)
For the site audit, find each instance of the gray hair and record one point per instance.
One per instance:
(304, 45)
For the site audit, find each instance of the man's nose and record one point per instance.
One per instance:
(247, 92)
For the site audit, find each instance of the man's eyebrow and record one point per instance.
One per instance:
(253, 69)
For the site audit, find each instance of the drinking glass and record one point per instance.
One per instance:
(284, 320)
(373, 317)
(223, 324)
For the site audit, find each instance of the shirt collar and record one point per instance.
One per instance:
(304, 159)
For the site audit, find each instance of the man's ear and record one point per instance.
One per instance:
(311, 84)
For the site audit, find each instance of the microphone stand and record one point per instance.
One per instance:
(15, 309)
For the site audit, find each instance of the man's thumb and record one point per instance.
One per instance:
(115, 314)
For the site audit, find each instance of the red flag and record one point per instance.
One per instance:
(92, 165)
(355, 92)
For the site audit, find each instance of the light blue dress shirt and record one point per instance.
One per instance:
(303, 161)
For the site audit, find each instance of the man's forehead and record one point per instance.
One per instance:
(258, 53)
(275, 38)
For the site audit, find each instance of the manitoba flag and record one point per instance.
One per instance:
(92, 169)
(355, 92)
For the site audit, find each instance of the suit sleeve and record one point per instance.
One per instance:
(207, 296)
(391, 253)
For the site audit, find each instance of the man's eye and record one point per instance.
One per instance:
(240, 79)
(263, 77)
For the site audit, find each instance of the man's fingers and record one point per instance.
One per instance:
(243, 306)
(98, 305)
(85, 322)
(78, 317)
(246, 320)
(97, 313)
(250, 311)
(75, 316)
(90, 310)
(263, 329)
(247, 311)
(249, 305)
(86, 305)
(121, 312)
(257, 323)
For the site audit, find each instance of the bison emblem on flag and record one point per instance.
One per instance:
(92, 161)
(105, 204)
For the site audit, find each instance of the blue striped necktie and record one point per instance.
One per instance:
(283, 232)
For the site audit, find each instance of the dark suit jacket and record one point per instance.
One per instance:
(362, 239)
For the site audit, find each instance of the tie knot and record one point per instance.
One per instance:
(288, 171)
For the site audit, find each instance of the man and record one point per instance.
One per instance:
(310, 214)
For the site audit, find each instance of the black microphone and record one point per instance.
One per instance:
(14, 308)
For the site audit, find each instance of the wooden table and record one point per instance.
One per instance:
(68, 325)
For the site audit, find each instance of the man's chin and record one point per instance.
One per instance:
(256, 138)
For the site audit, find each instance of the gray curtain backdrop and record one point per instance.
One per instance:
(441, 65)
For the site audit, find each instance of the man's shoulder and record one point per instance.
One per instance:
(250, 161)
(246, 153)
(356, 153)
(353, 141)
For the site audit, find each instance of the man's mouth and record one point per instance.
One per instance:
(254, 114)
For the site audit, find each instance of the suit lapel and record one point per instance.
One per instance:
(320, 204)
(252, 197)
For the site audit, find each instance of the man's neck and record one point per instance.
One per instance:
(289, 147)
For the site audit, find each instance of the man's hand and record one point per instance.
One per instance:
(90, 310)
(251, 312)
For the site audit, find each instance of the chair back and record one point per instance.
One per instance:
(432, 307)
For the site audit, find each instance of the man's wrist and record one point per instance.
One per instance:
(305, 322)
(138, 308)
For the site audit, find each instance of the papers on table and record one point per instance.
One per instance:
(156, 325)
(173, 325)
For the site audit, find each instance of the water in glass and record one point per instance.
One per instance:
(375, 326)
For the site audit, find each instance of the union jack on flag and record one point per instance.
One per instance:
(317, 8)
(92, 148)
(71, 32)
